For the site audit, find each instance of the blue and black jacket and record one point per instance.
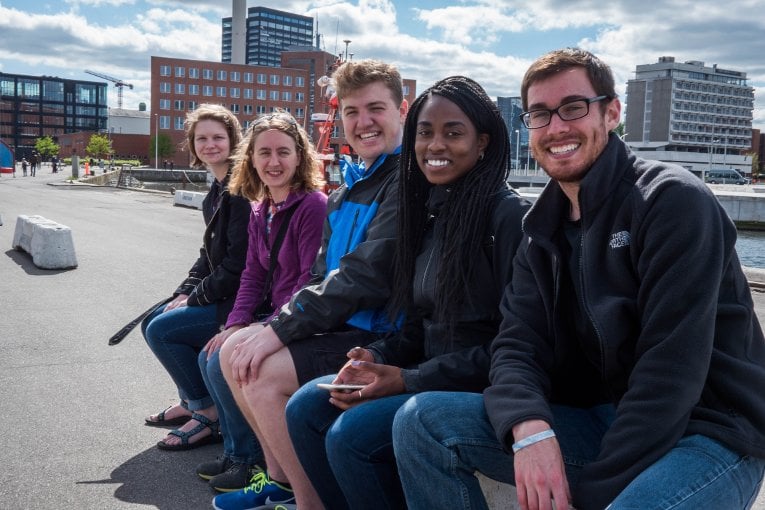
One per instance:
(351, 277)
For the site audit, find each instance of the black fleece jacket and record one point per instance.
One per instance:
(677, 346)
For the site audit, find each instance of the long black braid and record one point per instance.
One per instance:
(469, 207)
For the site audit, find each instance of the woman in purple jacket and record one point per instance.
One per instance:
(277, 169)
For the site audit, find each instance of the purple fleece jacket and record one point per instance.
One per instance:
(296, 255)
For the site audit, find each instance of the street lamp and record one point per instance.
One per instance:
(156, 140)
(347, 42)
(517, 148)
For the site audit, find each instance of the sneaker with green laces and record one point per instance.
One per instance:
(235, 478)
(261, 491)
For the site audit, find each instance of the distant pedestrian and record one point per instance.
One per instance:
(24, 164)
(33, 164)
(54, 164)
(172, 165)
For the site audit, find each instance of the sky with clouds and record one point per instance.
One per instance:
(492, 41)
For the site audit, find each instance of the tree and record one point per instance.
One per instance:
(619, 130)
(755, 165)
(46, 147)
(164, 148)
(99, 146)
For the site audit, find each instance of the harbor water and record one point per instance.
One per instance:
(751, 248)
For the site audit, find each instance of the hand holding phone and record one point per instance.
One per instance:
(346, 388)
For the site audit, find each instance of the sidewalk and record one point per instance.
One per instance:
(72, 406)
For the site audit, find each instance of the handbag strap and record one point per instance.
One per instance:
(274, 254)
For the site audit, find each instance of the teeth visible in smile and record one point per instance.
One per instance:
(437, 162)
(564, 148)
(366, 136)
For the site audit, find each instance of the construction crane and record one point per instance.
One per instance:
(117, 83)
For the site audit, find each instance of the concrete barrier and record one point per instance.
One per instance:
(189, 198)
(49, 243)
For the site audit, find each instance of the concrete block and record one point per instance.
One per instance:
(49, 243)
(1, 220)
(189, 198)
(499, 496)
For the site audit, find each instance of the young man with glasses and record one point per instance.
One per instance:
(629, 368)
(343, 305)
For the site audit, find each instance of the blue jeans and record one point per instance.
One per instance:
(239, 441)
(348, 456)
(444, 437)
(175, 338)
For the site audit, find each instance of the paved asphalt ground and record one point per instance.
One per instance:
(72, 407)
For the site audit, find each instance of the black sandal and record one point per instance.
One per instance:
(214, 436)
(172, 422)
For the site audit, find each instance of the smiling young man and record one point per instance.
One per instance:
(628, 369)
(343, 305)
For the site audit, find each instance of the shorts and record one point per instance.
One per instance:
(326, 353)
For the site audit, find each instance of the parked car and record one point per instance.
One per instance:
(724, 176)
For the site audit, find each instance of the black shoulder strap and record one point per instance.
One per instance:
(274, 254)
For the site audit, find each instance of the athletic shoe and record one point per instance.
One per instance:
(277, 506)
(210, 469)
(262, 491)
(235, 478)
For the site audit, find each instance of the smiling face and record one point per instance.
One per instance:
(275, 157)
(447, 145)
(372, 121)
(567, 149)
(212, 144)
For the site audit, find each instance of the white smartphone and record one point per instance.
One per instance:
(340, 387)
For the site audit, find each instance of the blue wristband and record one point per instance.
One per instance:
(533, 438)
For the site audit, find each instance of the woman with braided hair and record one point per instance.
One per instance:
(458, 228)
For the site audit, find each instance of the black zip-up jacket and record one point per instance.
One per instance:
(358, 286)
(462, 364)
(677, 344)
(214, 277)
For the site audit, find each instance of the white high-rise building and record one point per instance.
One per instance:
(690, 114)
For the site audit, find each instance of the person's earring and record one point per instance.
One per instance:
(480, 156)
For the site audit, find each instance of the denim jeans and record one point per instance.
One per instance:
(444, 437)
(348, 456)
(239, 441)
(175, 338)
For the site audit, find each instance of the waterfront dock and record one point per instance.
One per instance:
(73, 407)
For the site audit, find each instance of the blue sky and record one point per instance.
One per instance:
(492, 41)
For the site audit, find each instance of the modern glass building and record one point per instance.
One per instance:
(511, 108)
(269, 32)
(36, 106)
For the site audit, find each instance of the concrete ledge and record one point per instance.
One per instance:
(49, 243)
(499, 496)
(189, 198)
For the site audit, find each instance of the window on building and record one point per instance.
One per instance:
(164, 70)
(261, 94)
(287, 80)
(300, 81)
(405, 90)
(207, 90)
(194, 72)
(207, 74)
(299, 97)
(221, 75)
(220, 91)
(234, 92)
(52, 90)
(234, 108)
(180, 71)
(274, 79)
(85, 93)
(180, 88)
(248, 77)
(192, 105)
(179, 123)
(274, 95)
(164, 122)
(235, 75)
(299, 113)
(260, 109)
(286, 95)
(178, 105)
(248, 109)
(164, 104)
(247, 93)
(261, 78)
(164, 87)
(194, 89)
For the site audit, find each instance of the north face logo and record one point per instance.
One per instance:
(619, 239)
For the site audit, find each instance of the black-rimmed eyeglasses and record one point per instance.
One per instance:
(576, 109)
